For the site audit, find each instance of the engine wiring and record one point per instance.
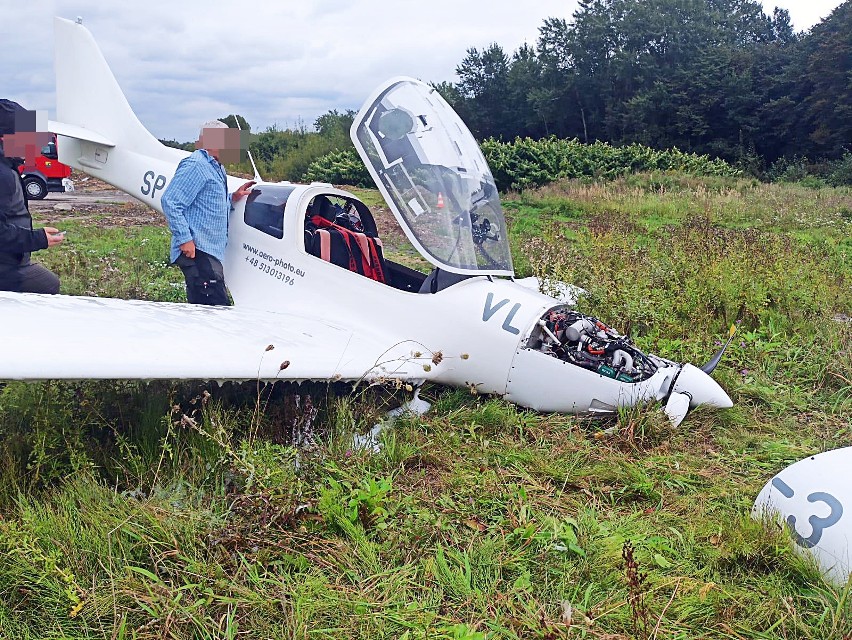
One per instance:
(587, 342)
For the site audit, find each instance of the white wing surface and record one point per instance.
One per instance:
(70, 337)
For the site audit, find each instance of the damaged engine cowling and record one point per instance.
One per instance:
(587, 342)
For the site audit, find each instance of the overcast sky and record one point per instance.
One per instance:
(184, 61)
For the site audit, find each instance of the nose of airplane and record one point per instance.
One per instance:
(701, 388)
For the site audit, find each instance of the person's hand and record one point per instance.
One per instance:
(243, 191)
(54, 237)
(188, 249)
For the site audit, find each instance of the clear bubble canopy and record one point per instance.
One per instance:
(432, 173)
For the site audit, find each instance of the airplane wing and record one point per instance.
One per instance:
(71, 337)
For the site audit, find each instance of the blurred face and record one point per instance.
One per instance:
(25, 144)
(29, 137)
(222, 144)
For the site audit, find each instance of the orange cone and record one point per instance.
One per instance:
(440, 200)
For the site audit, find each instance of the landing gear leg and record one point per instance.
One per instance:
(370, 441)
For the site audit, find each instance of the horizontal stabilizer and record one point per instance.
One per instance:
(78, 133)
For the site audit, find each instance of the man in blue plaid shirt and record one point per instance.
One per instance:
(197, 206)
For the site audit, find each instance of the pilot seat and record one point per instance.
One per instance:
(340, 234)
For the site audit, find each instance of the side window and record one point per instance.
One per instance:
(265, 209)
(49, 151)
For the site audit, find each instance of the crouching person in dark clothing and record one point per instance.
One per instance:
(18, 139)
(197, 206)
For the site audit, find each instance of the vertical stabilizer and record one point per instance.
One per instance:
(87, 93)
(99, 132)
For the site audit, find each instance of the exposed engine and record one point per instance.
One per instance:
(587, 342)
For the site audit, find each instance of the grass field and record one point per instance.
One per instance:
(183, 511)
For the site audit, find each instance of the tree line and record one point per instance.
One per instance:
(715, 77)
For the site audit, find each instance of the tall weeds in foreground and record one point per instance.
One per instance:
(639, 614)
(498, 526)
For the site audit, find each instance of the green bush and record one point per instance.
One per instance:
(841, 171)
(788, 169)
(528, 163)
(340, 167)
(287, 154)
(835, 173)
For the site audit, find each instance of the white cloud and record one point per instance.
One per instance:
(804, 14)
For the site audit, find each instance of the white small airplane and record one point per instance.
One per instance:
(298, 316)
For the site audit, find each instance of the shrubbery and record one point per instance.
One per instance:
(527, 163)
(340, 167)
(836, 173)
(530, 163)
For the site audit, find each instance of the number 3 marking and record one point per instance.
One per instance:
(818, 523)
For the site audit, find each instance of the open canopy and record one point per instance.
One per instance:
(429, 168)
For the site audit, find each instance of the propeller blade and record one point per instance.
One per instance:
(708, 368)
(677, 407)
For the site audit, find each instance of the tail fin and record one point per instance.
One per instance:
(101, 134)
(87, 94)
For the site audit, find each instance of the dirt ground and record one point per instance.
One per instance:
(96, 202)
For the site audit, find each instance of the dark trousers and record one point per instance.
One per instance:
(205, 279)
(28, 278)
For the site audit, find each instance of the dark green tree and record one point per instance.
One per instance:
(710, 76)
(558, 100)
(483, 82)
(524, 78)
(450, 93)
(333, 123)
(686, 73)
(824, 86)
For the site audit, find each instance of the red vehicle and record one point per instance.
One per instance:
(47, 175)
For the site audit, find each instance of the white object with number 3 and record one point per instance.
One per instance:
(814, 498)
